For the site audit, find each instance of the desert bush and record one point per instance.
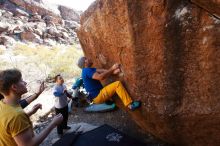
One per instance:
(46, 62)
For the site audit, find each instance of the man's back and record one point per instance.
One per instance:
(92, 86)
(12, 122)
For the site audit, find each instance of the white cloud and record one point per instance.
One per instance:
(76, 4)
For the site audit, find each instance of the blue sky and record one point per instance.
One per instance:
(76, 4)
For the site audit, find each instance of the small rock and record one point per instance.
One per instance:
(6, 40)
(52, 31)
(49, 42)
(17, 30)
(7, 14)
(35, 18)
(51, 24)
(30, 36)
(38, 32)
(23, 18)
(19, 22)
(71, 24)
(61, 40)
(19, 12)
(50, 115)
(4, 27)
(60, 28)
(28, 28)
(65, 35)
(48, 18)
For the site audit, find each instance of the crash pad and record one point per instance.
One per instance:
(100, 107)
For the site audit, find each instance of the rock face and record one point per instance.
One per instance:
(33, 21)
(69, 14)
(33, 7)
(30, 36)
(170, 56)
(212, 6)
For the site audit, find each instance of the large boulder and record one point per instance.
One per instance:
(33, 7)
(212, 6)
(6, 40)
(170, 58)
(30, 36)
(69, 14)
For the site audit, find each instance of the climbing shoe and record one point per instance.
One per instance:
(134, 105)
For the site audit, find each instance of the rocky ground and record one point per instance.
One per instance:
(111, 118)
(37, 22)
(118, 119)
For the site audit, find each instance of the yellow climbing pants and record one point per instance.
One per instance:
(108, 91)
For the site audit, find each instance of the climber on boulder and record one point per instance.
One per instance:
(99, 94)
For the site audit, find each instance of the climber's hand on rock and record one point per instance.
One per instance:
(116, 71)
(115, 66)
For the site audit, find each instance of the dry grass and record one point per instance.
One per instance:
(1, 51)
(41, 62)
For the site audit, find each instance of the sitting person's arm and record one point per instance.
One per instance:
(34, 109)
(26, 138)
(103, 75)
(35, 96)
(28, 100)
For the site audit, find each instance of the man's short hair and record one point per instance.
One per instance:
(7, 78)
(81, 62)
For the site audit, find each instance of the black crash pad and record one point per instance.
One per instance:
(102, 136)
(67, 139)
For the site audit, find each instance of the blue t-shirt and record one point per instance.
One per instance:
(60, 96)
(92, 86)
